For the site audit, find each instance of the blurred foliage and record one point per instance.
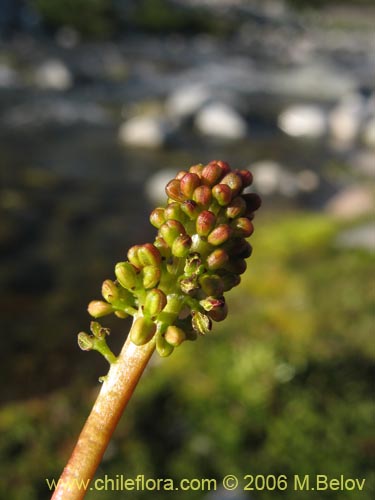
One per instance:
(283, 386)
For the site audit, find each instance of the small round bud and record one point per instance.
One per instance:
(149, 255)
(216, 307)
(202, 195)
(133, 256)
(110, 291)
(211, 174)
(234, 181)
(242, 227)
(253, 201)
(240, 248)
(173, 190)
(151, 276)
(126, 275)
(236, 266)
(162, 246)
(173, 211)
(155, 302)
(180, 174)
(222, 194)
(196, 169)
(205, 223)
(190, 208)
(217, 259)
(170, 230)
(225, 167)
(219, 313)
(181, 245)
(219, 235)
(157, 217)
(189, 183)
(201, 322)
(163, 347)
(98, 308)
(211, 284)
(246, 177)
(85, 341)
(174, 335)
(236, 208)
(229, 280)
(142, 331)
(121, 314)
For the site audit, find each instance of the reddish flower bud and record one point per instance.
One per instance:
(133, 256)
(219, 235)
(202, 195)
(157, 217)
(211, 284)
(190, 208)
(173, 190)
(229, 280)
(149, 255)
(196, 169)
(181, 245)
(239, 247)
(219, 313)
(225, 167)
(142, 331)
(162, 246)
(236, 207)
(217, 259)
(236, 266)
(222, 194)
(246, 176)
(189, 183)
(234, 181)
(174, 335)
(242, 227)
(155, 302)
(205, 222)
(170, 230)
(98, 308)
(151, 276)
(211, 174)
(253, 201)
(180, 174)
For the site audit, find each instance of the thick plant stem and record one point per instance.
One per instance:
(114, 395)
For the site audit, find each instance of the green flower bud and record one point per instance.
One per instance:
(133, 256)
(211, 174)
(201, 322)
(163, 247)
(149, 255)
(98, 308)
(110, 291)
(219, 235)
(85, 341)
(193, 264)
(126, 275)
(121, 314)
(202, 195)
(236, 207)
(157, 217)
(222, 194)
(189, 183)
(211, 284)
(234, 181)
(98, 331)
(150, 276)
(196, 169)
(155, 302)
(173, 211)
(181, 246)
(173, 190)
(174, 335)
(170, 230)
(242, 227)
(205, 223)
(190, 208)
(142, 331)
(217, 259)
(163, 348)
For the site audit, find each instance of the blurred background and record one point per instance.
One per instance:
(101, 102)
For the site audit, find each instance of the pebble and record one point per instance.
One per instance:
(155, 185)
(53, 74)
(186, 101)
(303, 121)
(143, 131)
(271, 178)
(221, 120)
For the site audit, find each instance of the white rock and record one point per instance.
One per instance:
(350, 203)
(53, 74)
(143, 131)
(155, 185)
(267, 175)
(221, 120)
(346, 118)
(303, 121)
(186, 101)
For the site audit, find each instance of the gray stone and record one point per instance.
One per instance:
(53, 74)
(186, 101)
(303, 121)
(221, 120)
(144, 131)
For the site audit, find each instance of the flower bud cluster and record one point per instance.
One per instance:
(175, 287)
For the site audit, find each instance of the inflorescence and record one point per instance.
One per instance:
(174, 288)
